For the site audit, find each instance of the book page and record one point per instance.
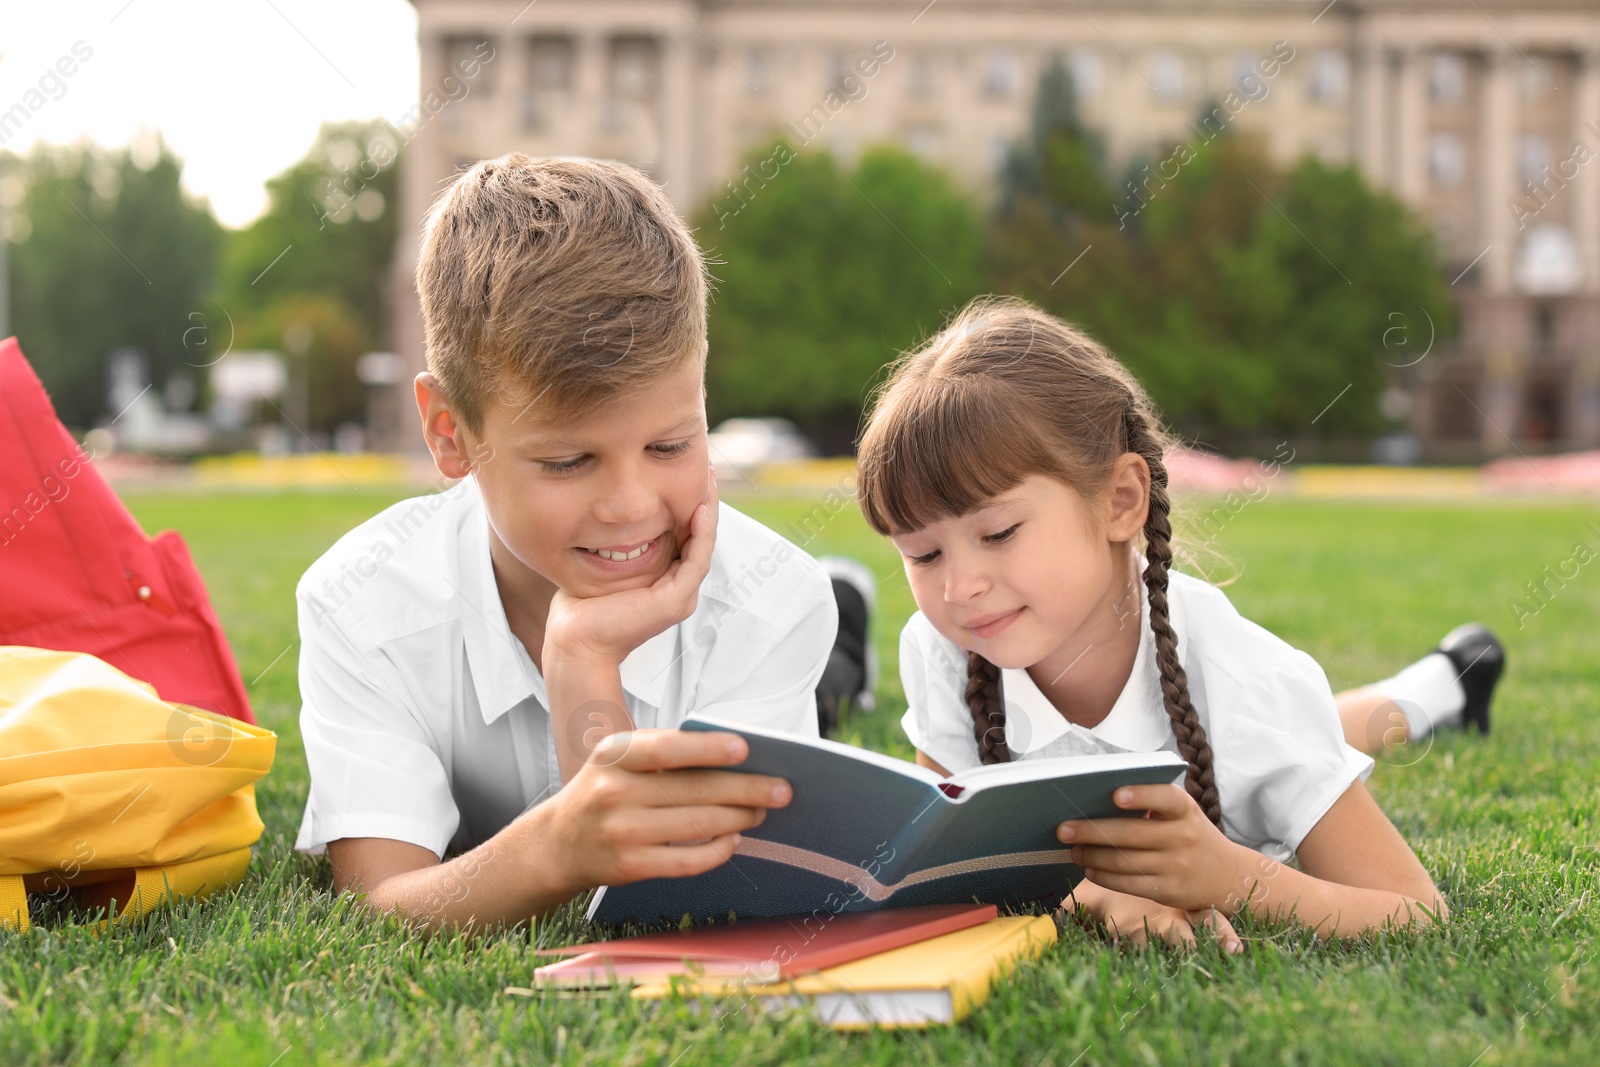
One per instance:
(861, 755)
(1036, 770)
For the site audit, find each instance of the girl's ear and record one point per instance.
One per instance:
(1128, 496)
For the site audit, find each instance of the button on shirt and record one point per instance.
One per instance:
(1278, 753)
(424, 717)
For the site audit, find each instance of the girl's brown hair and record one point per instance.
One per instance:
(1004, 392)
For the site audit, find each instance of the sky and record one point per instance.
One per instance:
(237, 88)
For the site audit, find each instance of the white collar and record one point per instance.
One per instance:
(1137, 722)
(503, 673)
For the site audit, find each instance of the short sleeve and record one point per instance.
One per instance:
(1281, 759)
(764, 673)
(375, 769)
(936, 720)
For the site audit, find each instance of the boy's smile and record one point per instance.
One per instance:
(625, 559)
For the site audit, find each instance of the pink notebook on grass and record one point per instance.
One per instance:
(764, 950)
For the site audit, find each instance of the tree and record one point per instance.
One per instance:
(1245, 297)
(826, 274)
(329, 229)
(316, 263)
(321, 339)
(108, 251)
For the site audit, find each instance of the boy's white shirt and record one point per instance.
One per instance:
(423, 716)
(1278, 753)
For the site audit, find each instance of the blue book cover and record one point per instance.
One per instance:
(866, 831)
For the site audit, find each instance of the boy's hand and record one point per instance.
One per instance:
(603, 630)
(647, 805)
(1175, 856)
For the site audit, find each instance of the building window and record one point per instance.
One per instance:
(1447, 160)
(1538, 77)
(1447, 78)
(550, 72)
(1330, 77)
(921, 75)
(1003, 73)
(1169, 76)
(550, 63)
(844, 78)
(1246, 78)
(1088, 74)
(1533, 157)
(838, 69)
(758, 71)
(635, 68)
(1544, 329)
(465, 58)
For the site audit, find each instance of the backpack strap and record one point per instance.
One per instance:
(145, 889)
(13, 904)
(155, 886)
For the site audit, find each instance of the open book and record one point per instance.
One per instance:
(867, 831)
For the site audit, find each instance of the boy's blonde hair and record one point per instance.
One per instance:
(561, 283)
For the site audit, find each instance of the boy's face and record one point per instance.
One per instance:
(599, 503)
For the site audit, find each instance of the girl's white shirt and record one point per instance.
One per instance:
(1279, 755)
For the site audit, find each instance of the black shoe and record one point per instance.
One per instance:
(1479, 659)
(851, 674)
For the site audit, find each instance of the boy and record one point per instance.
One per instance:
(494, 670)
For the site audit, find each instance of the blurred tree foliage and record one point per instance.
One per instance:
(319, 337)
(1244, 296)
(329, 229)
(107, 251)
(825, 274)
(316, 264)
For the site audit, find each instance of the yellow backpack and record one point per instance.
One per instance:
(111, 794)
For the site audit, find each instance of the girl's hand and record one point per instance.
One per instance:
(1174, 856)
(1137, 919)
(605, 629)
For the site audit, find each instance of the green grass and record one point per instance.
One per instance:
(279, 972)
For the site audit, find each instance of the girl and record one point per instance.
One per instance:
(1018, 468)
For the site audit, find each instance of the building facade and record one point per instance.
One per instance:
(1483, 115)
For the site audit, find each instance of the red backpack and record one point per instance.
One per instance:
(77, 574)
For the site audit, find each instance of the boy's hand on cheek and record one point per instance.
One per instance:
(650, 804)
(603, 630)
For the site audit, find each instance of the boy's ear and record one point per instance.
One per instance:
(1128, 496)
(446, 437)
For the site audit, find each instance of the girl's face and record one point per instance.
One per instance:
(1035, 572)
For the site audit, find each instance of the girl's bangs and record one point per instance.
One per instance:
(942, 453)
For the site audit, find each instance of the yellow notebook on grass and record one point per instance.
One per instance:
(932, 982)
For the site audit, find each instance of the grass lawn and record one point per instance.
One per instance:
(278, 972)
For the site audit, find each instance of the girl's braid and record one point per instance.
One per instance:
(1192, 742)
(988, 708)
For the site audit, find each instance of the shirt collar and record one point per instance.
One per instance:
(503, 674)
(1137, 722)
